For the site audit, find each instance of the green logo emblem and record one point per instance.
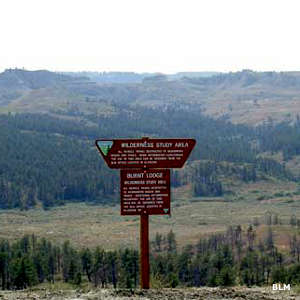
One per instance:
(104, 146)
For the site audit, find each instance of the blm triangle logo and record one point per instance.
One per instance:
(166, 210)
(104, 146)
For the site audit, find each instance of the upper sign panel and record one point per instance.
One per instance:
(145, 152)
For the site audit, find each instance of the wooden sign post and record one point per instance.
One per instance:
(145, 180)
(144, 248)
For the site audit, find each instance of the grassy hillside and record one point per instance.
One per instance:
(242, 97)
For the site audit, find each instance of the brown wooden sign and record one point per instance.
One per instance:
(145, 152)
(145, 192)
(145, 180)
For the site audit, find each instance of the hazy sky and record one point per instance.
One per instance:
(150, 36)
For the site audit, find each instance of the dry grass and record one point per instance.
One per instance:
(243, 109)
(87, 225)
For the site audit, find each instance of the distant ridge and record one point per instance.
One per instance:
(242, 97)
(132, 77)
(249, 78)
(23, 79)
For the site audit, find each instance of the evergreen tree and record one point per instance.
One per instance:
(171, 242)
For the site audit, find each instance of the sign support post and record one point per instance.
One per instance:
(144, 255)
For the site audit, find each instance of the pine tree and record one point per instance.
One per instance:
(158, 242)
(269, 239)
(87, 264)
(171, 242)
(250, 237)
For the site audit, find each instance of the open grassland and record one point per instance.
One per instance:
(243, 109)
(96, 225)
(58, 102)
(251, 107)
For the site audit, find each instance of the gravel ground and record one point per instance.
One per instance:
(168, 294)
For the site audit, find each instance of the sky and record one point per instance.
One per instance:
(165, 36)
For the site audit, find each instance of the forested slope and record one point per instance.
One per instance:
(50, 161)
(49, 168)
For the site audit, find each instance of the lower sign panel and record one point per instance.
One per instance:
(145, 192)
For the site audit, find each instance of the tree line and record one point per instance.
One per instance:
(237, 256)
(206, 176)
(30, 261)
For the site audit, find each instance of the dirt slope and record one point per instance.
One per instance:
(168, 294)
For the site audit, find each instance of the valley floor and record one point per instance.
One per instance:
(97, 225)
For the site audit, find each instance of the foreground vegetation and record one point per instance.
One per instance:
(235, 257)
